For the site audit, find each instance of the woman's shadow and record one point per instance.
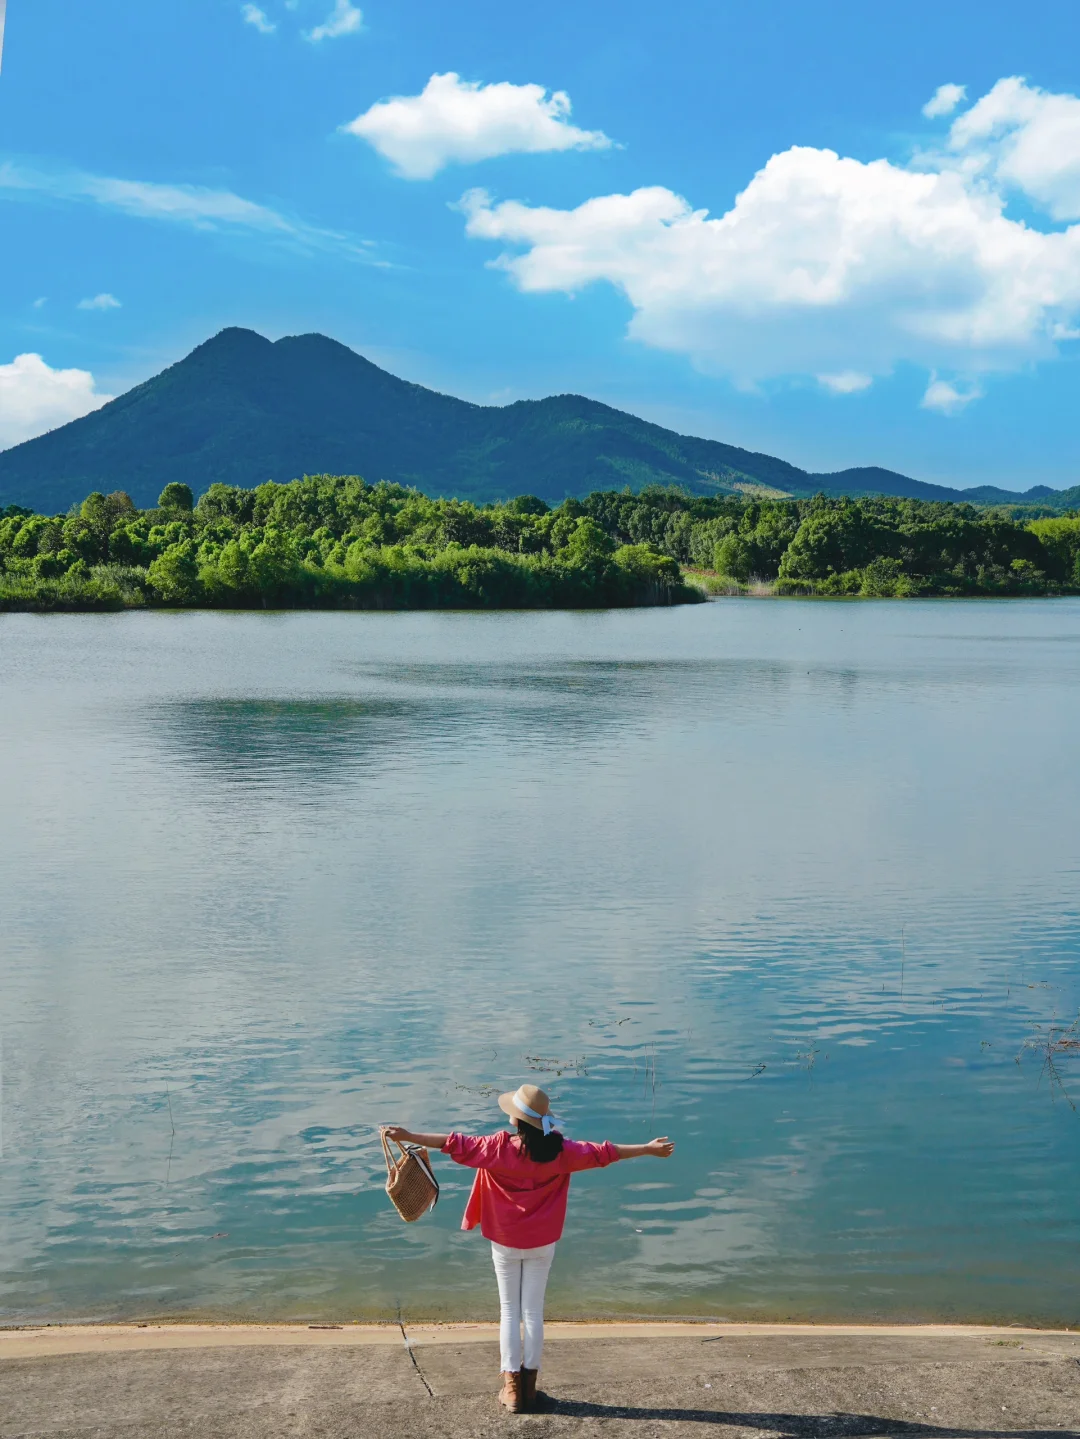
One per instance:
(798, 1426)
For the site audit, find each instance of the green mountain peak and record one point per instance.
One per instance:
(241, 409)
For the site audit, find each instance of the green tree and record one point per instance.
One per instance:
(275, 571)
(225, 504)
(651, 578)
(1060, 538)
(227, 571)
(100, 515)
(176, 496)
(174, 575)
(24, 544)
(883, 578)
(47, 567)
(527, 505)
(734, 557)
(833, 540)
(587, 542)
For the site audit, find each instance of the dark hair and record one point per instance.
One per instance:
(541, 1147)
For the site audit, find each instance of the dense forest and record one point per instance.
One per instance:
(324, 542)
(332, 541)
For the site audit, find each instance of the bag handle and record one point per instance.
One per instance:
(405, 1150)
(390, 1164)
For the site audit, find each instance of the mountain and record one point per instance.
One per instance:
(241, 409)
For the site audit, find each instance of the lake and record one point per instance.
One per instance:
(797, 883)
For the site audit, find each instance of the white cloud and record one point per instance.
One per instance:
(1023, 137)
(944, 100)
(345, 19)
(846, 382)
(35, 398)
(41, 302)
(259, 18)
(834, 267)
(194, 205)
(944, 396)
(100, 302)
(189, 204)
(454, 120)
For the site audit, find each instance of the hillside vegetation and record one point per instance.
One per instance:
(333, 541)
(240, 410)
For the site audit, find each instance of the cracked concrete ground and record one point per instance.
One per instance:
(238, 1383)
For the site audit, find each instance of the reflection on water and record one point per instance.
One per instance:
(264, 742)
(795, 883)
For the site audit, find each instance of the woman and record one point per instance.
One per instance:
(519, 1201)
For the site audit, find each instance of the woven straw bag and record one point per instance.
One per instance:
(410, 1183)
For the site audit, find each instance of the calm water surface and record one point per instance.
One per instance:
(795, 883)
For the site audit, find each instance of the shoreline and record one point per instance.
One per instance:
(37, 1341)
(641, 1380)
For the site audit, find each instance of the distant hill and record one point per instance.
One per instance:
(241, 409)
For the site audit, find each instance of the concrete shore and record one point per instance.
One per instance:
(242, 1381)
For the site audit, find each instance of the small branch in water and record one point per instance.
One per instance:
(903, 959)
(172, 1135)
(558, 1067)
(807, 1058)
(1053, 1043)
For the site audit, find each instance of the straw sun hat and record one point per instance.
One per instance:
(530, 1105)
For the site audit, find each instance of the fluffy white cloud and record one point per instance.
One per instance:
(259, 18)
(944, 396)
(344, 19)
(834, 267)
(100, 302)
(35, 398)
(1019, 135)
(455, 120)
(944, 100)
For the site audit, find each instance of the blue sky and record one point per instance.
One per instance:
(735, 220)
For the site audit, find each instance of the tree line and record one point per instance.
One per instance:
(873, 546)
(336, 541)
(324, 542)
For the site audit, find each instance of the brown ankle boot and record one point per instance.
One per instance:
(529, 1398)
(510, 1394)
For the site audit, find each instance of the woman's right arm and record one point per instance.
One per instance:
(406, 1136)
(656, 1148)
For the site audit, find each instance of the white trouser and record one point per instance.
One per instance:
(522, 1276)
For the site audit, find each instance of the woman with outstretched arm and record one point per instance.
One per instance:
(518, 1200)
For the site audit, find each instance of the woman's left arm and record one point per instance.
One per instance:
(406, 1136)
(656, 1148)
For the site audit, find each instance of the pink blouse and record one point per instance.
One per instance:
(515, 1200)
